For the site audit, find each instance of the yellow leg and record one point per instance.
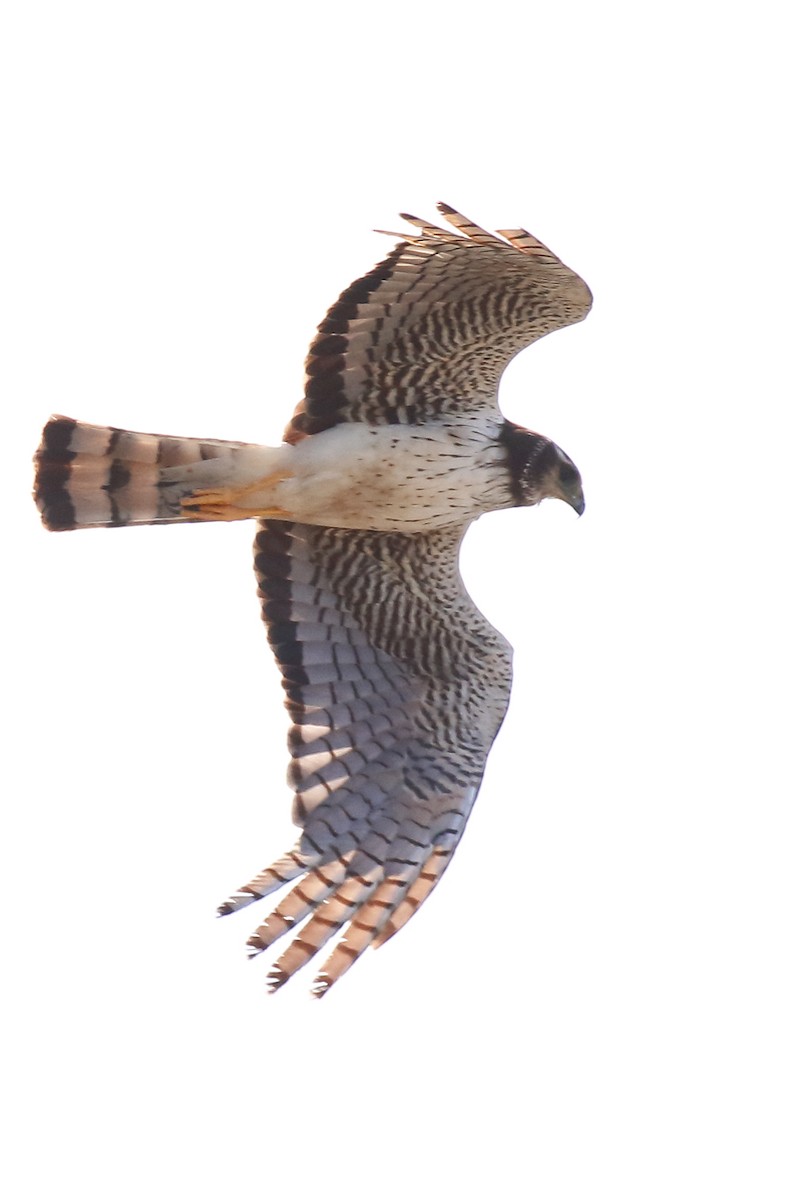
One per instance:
(231, 504)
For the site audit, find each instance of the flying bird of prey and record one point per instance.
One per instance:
(395, 683)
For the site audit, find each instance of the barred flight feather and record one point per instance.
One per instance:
(88, 476)
(430, 330)
(376, 810)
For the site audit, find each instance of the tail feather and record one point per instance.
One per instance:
(95, 475)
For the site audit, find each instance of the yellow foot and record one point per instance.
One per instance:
(232, 503)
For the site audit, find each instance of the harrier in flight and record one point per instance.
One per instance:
(396, 684)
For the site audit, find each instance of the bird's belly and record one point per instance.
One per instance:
(396, 477)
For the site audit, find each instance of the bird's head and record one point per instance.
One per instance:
(540, 469)
(561, 479)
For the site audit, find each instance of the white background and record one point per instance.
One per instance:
(602, 997)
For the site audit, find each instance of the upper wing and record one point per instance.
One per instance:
(433, 326)
(397, 686)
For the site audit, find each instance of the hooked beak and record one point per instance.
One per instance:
(575, 500)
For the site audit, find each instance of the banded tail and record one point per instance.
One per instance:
(94, 475)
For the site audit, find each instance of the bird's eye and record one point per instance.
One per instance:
(567, 474)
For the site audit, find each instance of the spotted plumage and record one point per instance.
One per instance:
(396, 685)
